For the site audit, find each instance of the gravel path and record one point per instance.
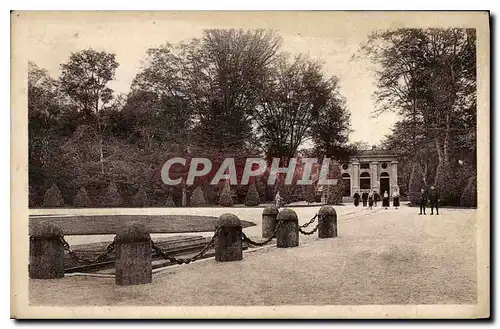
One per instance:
(381, 257)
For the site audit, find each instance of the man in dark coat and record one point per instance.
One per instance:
(364, 197)
(376, 197)
(423, 201)
(434, 200)
(356, 199)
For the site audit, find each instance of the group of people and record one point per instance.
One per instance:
(432, 197)
(371, 198)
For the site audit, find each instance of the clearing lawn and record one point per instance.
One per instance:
(110, 224)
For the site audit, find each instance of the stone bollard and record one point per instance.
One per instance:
(133, 255)
(288, 232)
(327, 221)
(228, 242)
(46, 251)
(269, 221)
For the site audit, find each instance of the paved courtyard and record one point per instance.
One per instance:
(380, 257)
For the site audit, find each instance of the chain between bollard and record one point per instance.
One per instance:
(181, 261)
(310, 222)
(309, 233)
(102, 257)
(260, 244)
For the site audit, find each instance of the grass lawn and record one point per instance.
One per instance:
(110, 224)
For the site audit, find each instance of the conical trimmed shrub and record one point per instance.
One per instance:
(310, 193)
(81, 199)
(170, 201)
(197, 198)
(415, 185)
(113, 197)
(252, 198)
(226, 198)
(53, 197)
(141, 198)
(469, 195)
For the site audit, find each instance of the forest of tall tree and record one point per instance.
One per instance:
(428, 77)
(228, 93)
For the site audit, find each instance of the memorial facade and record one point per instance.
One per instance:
(375, 170)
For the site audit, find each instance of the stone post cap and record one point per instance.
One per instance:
(327, 210)
(287, 215)
(228, 220)
(45, 230)
(132, 232)
(272, 210)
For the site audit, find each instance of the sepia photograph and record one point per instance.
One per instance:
(250, 164)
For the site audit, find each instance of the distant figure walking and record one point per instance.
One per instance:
(370, 199)
(423, 201)
(364, 197)
(278, 200)
(395, 198)
(434, 200)
(376, 197)
(385, 200)
(356, 199)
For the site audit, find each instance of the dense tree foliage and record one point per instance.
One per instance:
(428, 76)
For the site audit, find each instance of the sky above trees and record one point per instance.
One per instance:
(333, 41)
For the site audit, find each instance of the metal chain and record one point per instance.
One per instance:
(260, 244)
(309, 233)
(102, 257)
(181, 261)
(310, 222)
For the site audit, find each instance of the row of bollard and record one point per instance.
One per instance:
(133, 245)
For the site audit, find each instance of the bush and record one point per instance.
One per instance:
(415, 185)
(211, 195)
(310, 193)
(448, 186)
(170, 201)
(141, 198)
(112, 197)
(53, 197)
(81, 199)
(197, 198)
(226, 199)
(253, 198)
(469, 195)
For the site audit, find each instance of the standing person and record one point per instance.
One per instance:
(376, 197)
(370, 199)
(395, 198)
(385, 200)
(356, 199)
(364, 197)
(277, 200)
(423, 200)
(434, 200)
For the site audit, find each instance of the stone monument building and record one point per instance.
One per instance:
(374, 169)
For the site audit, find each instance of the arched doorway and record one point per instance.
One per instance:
(364, 181)
(346, 184)
(384, 183)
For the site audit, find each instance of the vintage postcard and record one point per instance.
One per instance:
(250, 164)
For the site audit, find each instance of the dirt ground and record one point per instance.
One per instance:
(380, 257)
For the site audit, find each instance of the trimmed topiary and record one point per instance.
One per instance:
(211, 195)
(113, 197)
(81, 199)
(141, 198)
(310, 193)
(197, 198)
(469, 195)
(170, 201)
(448, 185)
(252, 198)
(226, 198)
(415, 185)
(53, 197)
